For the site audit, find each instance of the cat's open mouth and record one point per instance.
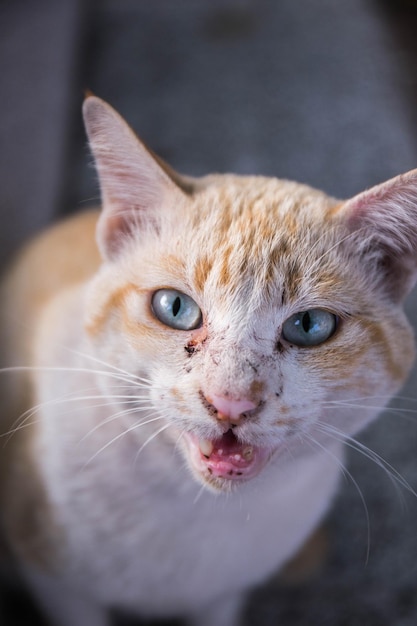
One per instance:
(225, 457)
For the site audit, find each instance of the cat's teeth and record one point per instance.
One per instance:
(206, 446)
(248, 453)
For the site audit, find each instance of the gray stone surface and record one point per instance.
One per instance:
(38, 59)
(318, 91)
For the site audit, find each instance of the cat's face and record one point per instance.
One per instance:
(258, 316)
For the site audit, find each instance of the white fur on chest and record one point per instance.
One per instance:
(141, 534)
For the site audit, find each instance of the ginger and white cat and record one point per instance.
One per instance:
(177, 400)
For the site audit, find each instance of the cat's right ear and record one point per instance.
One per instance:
(134, 183)
(384, 220)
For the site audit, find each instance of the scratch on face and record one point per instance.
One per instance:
(197, 340)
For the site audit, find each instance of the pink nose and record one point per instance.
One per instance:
(229, 409)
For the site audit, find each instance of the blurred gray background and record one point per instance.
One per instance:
(321, 91)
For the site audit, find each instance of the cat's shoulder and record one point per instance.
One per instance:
(59, 248)
(64, 254)
(54, 261)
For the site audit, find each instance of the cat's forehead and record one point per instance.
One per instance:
(257, 214)
(258, 200)
(263, 231)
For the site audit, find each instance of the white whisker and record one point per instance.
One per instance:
(23, 421)
(199, 494)
(377, 407)
(122, 434)
(395, 477)
(134, 377)
(116, 416)
(78, 370)
(151, 438)
(348, 474)
(318, 261)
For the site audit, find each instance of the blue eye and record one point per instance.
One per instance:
(176, 309)
(309, 328)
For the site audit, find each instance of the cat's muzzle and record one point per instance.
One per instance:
(225, 458)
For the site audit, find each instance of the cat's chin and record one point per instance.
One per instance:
(224, 462)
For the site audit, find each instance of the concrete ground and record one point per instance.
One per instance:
(319, 91)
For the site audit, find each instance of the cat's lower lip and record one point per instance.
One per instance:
(225, 457)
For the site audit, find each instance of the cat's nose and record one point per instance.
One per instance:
(229, 409)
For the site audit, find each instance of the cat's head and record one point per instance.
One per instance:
(261, 314)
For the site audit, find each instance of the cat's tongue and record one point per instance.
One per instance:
(226, 457)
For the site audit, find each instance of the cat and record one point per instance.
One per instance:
(176, 398)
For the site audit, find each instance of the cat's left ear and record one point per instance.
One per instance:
(384, 219)
(134, 183)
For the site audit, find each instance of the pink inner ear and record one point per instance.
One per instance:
(113, 231)
(388, 211)
(385, 220)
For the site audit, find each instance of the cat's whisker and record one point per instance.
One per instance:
(316, 245)
(175, 450)
(361, 403)
(23, 420)
(123, 434)
(369, 454)
(130, 376)
(389, 411)
(199, 494)
(180, 436)
(151, 438)
(124, 372)
(318, 261)
(383, 397)
(13, 431)
(348, 475)
(77, 370)
(395, 477)
(115, 416)
(406, 399)
(407, 416)
(318, 241)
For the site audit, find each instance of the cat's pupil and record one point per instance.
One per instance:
(306, 322)
(309, 328)
(176, 306)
